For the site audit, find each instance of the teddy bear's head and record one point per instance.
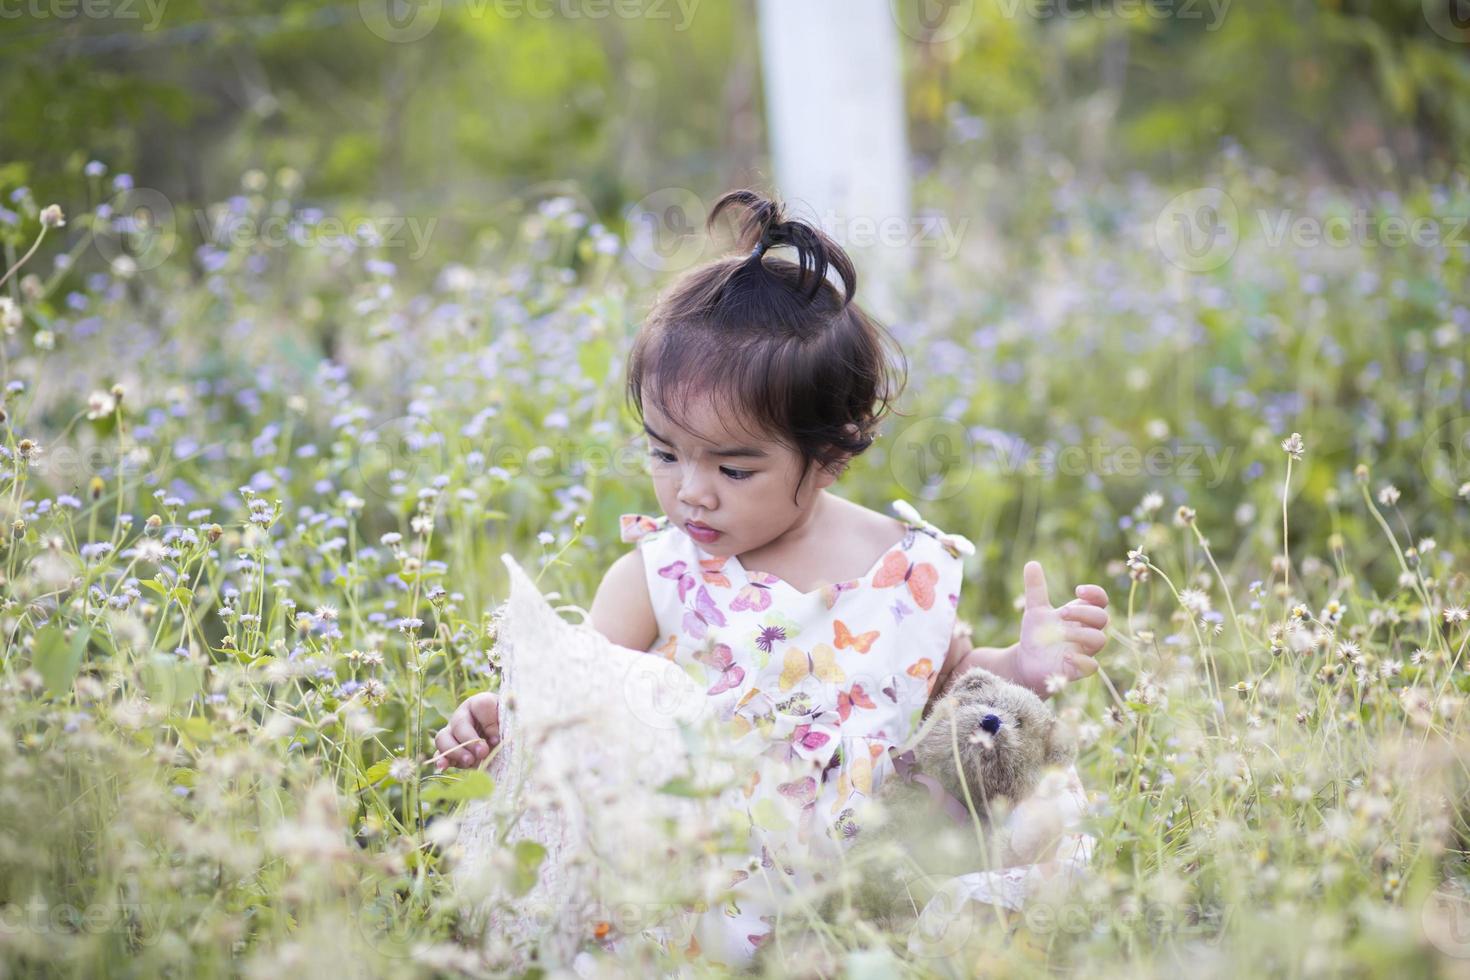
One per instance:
(1005, 735)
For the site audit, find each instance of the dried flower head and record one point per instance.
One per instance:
(100, 404)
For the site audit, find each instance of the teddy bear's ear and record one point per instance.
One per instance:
(1060, 749)
(974, 680)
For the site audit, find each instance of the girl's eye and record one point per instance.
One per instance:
(664, 457)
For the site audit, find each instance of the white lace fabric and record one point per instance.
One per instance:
(590, 732)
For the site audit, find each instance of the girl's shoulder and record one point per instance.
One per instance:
(957, 545)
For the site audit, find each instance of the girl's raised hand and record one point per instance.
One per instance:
(473, 730)
(1058, 640)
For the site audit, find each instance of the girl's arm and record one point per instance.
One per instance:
(962, 657)
(621, 611)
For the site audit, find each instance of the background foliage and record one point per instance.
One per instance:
(255, 490)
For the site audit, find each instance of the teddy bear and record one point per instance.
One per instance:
(981, 752)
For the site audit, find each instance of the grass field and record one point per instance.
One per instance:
(255, 496)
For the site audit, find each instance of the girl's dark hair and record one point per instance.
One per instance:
(772, 341)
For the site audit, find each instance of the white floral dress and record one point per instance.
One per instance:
(818, 686)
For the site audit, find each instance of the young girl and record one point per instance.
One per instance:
(825, 629)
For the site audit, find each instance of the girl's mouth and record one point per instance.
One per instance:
(701, 532)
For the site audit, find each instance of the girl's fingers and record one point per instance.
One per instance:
(441, 742)
(1088, 639)
(449, 751)
(1094, 594)
(1080, 666)
(1084, 613)
(464, 733)
(485, 710)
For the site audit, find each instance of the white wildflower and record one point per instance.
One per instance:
(1195, 600)
(10, 315)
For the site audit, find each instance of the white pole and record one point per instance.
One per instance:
(834, 107)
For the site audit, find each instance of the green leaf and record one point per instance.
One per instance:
(171, 682)
(439, 698)
(768, 815)
(471, 786)
(199, 729)
(682, 786)
(55, 659)
(529, 856)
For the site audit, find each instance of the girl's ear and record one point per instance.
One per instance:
(836, 468)
(825, 476)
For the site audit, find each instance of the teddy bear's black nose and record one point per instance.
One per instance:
(991, 723)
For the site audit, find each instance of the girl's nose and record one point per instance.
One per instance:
(991, 723)
(695, 492)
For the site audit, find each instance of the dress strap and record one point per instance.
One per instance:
(634, 527)
(955, 544)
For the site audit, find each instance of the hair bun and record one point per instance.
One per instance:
(766, 226)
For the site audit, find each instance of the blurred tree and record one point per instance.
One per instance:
(501, 100)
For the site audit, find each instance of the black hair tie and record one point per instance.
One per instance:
(758, 251)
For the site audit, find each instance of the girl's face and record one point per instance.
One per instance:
(715, 472)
